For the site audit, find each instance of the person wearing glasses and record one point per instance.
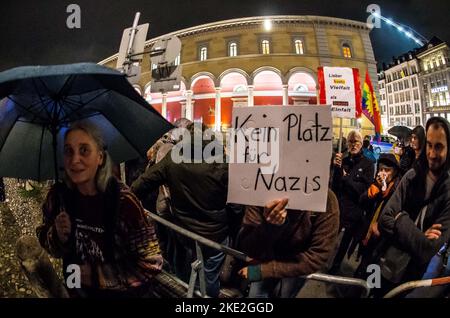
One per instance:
(352, 176)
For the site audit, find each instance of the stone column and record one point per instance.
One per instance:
(189, 106)
(285, 95)
(250, 95)
(164, 105)
(217, 111)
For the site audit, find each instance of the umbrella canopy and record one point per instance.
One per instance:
(39, 103)
(401, 132)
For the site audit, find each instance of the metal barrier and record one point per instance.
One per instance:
(197, 271)
(418, 283)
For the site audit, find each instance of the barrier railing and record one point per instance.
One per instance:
(197, 271)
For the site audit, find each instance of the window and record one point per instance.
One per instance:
(417, 121)
(389, 89)
(203, 54)
(178, 59)
(406, 84)
(414, 82)
(395, 87)
(443, 60)
(408, 109)
(400, 86)
(346, 51)
(407, 96)
(298, 47)
(265, 47)
(232, 49)
(413, 69)
(416, 94)
(390, 99)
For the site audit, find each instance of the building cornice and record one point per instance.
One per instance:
(255, 21)
(431, 50)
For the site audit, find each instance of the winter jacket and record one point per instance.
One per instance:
(301, 246)
(198, 194)
(348, 189)
(408, 200)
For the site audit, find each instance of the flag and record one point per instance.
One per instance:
(370, 106)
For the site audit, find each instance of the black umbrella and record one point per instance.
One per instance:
(401, 132)
(41, 101)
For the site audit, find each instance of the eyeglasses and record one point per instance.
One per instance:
(354, 142)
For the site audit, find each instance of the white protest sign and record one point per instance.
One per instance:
(278, 152)
(340, 91)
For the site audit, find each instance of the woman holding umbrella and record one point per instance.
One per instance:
(95, 223)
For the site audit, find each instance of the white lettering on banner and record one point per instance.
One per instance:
(285, 151)
(340, 91)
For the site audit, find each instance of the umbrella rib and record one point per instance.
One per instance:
(40, 153)
(89, 101)
(23, 107)
(76, 109)
(70, 79)
(40, 96)
(126, 138)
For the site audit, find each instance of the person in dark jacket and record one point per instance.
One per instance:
(407, 157)
(417, 217)
(352, 176)
(373, 201)
(418, 141)
(198, 192)
(286, 244)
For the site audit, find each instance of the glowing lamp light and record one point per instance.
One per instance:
(267, 25)
(400, 28)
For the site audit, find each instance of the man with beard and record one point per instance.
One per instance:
(417, 217)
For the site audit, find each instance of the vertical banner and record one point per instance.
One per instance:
(340, 88)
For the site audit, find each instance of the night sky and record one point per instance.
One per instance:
(36, 33)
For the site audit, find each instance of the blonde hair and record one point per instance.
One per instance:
(104, 171)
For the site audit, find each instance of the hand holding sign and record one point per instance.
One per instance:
(275, 211)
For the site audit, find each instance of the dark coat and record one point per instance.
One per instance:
(348, 189)
(198, 194)
(301, 246)
(408, 199)
(404, 233)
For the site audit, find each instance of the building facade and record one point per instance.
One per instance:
(401, 98)
(414, 87)
(435, 76)
(256, 61)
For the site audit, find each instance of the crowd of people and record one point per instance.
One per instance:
(393, 211)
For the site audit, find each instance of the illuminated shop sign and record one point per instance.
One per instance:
(439, 89)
